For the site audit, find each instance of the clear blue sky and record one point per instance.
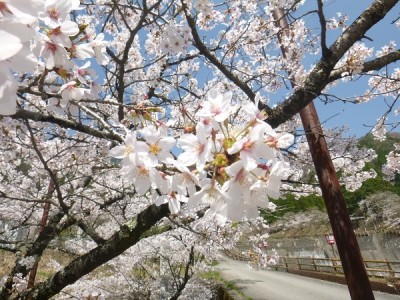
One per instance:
(357, 116)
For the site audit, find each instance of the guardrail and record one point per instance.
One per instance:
(375, 268)
(236, 255)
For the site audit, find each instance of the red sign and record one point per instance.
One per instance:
(330, 239)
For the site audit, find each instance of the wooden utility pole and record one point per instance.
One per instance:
(349, 251)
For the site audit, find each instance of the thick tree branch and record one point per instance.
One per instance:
(319, 76)
(372, 65)
(128, 235)
(36, 250)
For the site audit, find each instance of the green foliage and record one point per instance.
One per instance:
(382, 148)
(290, 204)
(369, 187)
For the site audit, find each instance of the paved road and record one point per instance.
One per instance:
(273, 285)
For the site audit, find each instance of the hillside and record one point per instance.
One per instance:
(374, 206)
(377, 212)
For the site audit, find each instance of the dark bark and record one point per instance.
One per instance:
(41, 243)
(349, 251)
(372, 65)
(319, 77)
(128, 235)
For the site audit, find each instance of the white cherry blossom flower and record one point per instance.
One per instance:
(83, 73)
(138, 172)
(218, 106)
(82, 51)
(279, 140)
(99, 48)
(184, 181)
(271, 185)
(252, 148)
(70, 91)
(251, 109)
(159, 145)
(61, 34)
(132, 146)
(57, 12)
(197, 148)
(173, 199)
(237, 189)
(160, 181)
(209, 194)
(53, 54)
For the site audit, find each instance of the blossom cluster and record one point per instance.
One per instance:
(354, 59)
(38, 35)
(391, 168)
(232, 169)
(17, 20)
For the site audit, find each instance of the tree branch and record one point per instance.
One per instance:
(372, 65)
(129, 234)
(319, 76)
(322, 21)
(23, 114)
(198, 43)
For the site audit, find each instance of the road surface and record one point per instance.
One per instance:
(273, 285)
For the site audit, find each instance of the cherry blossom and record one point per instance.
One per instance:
(185, 182)
(57, 12)
(210, 194)
(243, 198)
(218, 106)
(252, 148)
(379, 131)
(172, 198)
(145, 127)
(61, 34)
(137, 171)
(54, 55)
(132, 146)
(251, 109)
(70, 91)
(99, 47)
(83, 73)
(197, 148)
(159, 145)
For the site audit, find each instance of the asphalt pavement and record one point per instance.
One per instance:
(275, 285)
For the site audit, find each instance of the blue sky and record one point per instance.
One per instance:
(359, 117)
